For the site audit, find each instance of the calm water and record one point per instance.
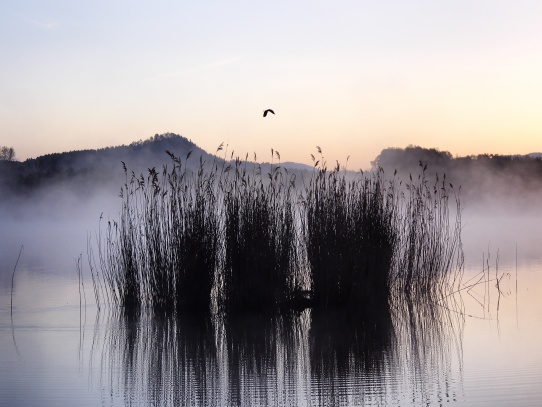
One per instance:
(480, 347)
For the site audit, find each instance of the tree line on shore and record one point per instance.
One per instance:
(483, 177)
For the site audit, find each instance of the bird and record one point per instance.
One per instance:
(267, 111)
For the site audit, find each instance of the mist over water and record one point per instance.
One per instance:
(503, 231)
(52, 226)
(501, 197)
(416, 354)
(77, 187)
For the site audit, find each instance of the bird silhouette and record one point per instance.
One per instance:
(267, 111)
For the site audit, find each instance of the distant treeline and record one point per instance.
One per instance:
(484, 178)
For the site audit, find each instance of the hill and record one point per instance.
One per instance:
(88, 169)
(485, 179)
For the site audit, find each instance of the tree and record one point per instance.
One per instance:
(7, 153)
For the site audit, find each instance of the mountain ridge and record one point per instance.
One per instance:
(84, 172)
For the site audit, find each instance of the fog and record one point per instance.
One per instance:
(53, 227)
(488, 182)
(500, 208)
(500, 197)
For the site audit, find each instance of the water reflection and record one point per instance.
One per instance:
(292, 358)
(157, 359)
(350, 356)
(429, 340)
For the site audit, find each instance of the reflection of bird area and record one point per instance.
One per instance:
(267, 111)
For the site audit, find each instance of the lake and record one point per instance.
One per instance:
(480, 346)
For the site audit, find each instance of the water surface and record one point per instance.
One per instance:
(479, 347)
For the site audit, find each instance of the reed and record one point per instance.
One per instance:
(163, 253)
(198, 247)
(231, 237)
(12, 281)
(350, 236)
(429, 256)
(260, 238)
(368, 236)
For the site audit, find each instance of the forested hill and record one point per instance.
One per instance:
(92, 168)
(487, 180)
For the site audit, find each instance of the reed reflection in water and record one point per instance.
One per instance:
(158, 359)
(406, 356)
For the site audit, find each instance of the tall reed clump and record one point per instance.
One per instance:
(429, 259)
(260, 238)
(367, 236)
(195, 237)
(164, 251)
(350, 235)
(240, 240)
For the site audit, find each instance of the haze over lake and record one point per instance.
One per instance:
(352, 215)
(477, 346)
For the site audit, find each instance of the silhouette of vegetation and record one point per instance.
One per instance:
(164, 249)
(7, 153)
(367, 237)
(350, 235)
(236, 234)
(485, 178)
(228, 236)
(260, 238)
(182, 234)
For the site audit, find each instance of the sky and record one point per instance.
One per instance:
(353, 77)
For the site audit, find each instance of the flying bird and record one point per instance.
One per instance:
(267, 111)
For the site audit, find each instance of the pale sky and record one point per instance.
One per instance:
(352, 77)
